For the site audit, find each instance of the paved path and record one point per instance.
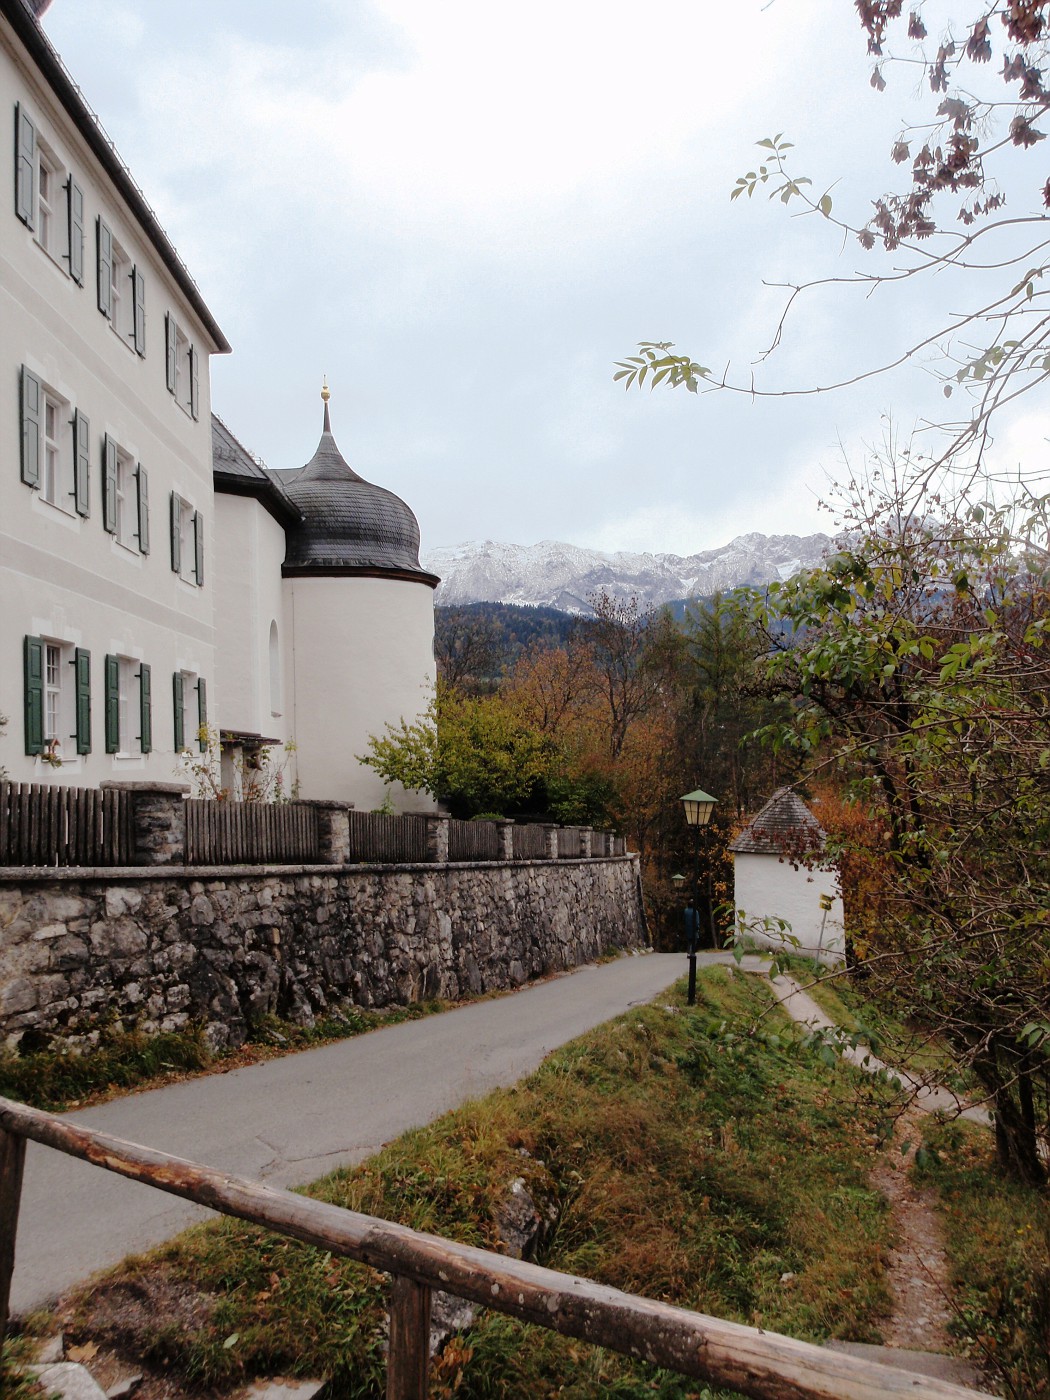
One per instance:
(931, 1098)
(290, 1120)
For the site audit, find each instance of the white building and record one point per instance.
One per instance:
(787, 895)
(325, 617)
(142, 595)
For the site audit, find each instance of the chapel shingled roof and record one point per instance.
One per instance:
(784, 826)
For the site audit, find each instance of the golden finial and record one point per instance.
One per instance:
(326, 393)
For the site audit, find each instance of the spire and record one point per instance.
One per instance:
(328, 463)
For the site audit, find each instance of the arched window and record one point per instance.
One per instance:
(275, 671)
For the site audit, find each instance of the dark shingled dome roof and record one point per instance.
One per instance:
(348, 525)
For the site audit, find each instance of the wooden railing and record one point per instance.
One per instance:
(473, 840)
(378, 839)
(249, 833)
(748, 1360)
(51, 824)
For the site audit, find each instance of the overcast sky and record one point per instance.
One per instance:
(465, 212)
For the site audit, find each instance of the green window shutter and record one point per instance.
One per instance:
(176, 533)
(32, 405)
(138, 296)
(105, 268)
(198, 547)
(178, 697)
(75, 196)
(202, 715)
(109, 485)
(145, 709)
(82, 463)
(171, 352)
(33, 657)
(25, 167)
(142, 483)
(112, 704)
(194, 384)
(82, 673)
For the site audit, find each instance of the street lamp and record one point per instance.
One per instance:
(698, 808)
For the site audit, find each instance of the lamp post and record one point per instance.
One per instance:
(698, 808)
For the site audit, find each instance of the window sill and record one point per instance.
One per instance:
(131, 552)
(59, 263)
(58, 515)
(127, 341)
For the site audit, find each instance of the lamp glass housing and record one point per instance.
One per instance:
(698, 807)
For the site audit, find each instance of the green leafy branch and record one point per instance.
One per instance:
(658, 361)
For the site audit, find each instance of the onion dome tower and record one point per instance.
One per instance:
(349, 526)
(361, 611)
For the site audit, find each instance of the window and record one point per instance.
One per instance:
(275, 671)
(187, 541)
(49, 203)
(125, 497)
(47, 185)
(122, 292)
(129, 706)
(190, 697)
(182, 368)
(57, 679)
(52, 692)
(55, 445)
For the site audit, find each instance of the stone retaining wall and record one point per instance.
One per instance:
(162, 948)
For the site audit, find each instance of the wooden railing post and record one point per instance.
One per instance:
(408, 1357)
(12, 1162)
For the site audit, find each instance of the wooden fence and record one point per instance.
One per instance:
(381, 840)
(250, 833)
(52, 824)
(530, 843)
(473, 840)
(748, 1360)
(49, 824)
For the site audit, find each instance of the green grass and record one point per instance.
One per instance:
(15, 1353)
(125, 1060)
(683, 1160)
(998, 1241)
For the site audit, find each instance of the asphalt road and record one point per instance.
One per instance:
(290, 1120)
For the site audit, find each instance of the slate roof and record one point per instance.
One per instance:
(348, 525)
(784, 827)
(238, 473)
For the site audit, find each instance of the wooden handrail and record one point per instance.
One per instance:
(749, 1360)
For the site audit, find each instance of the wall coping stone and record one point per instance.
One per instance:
(24, 874)
(113, 785)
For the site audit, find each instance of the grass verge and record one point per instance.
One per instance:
(127, 1060)
(676, 1156)
(997, 1234)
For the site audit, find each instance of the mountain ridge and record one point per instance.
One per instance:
(558, 575)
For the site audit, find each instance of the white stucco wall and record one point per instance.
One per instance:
(769, 887)
(361, 656)
(62, 576)
(249, 598)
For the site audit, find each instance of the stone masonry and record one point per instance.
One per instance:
(163, 947)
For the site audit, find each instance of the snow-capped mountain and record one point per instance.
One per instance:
(562, 576)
